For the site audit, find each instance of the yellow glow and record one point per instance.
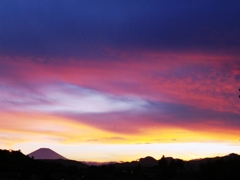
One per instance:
(129, 152)
(75, 140)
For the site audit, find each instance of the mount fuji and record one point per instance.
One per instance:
(45, 153)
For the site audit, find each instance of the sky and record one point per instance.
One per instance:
(120, 80)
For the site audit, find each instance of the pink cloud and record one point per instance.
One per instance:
(200, 81)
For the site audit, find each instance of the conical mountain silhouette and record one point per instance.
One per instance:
(45, 153)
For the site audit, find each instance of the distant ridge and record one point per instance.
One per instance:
(45, 153)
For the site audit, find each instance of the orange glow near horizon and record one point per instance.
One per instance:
(91, 144)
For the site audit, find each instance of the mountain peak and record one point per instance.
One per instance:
(45, 153)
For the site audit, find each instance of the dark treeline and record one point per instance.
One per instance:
(16, 166)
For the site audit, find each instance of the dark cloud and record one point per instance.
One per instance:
(85, 28)
(158, 114)
(184, 115)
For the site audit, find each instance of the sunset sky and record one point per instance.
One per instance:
(117, 80)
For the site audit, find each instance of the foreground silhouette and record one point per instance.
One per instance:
(17, 166)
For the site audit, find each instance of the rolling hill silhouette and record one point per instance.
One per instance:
(16, 165)
(45, 153)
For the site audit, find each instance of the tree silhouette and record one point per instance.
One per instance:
(162, 163)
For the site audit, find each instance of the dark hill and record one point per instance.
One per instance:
(16, 165)
(66, 162)
(148, 161)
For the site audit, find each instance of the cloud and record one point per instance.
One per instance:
(108, 139)
(199, 80)
(69, 98)
(184, 90)
(186, 114)
(160, 115)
